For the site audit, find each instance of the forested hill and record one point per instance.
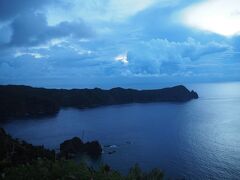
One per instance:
(25, 101)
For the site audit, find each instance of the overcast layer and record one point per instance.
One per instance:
(129, 43)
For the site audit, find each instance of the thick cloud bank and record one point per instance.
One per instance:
(104, 42)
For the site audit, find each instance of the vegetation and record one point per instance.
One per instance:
(25, 101)
(22, 161)
(14, 151)
(69, 170)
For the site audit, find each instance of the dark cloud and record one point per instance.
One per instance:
(30, 29)
(11, 8)
(5, 34)
(156, 43)
(25, 26)
(236, 42)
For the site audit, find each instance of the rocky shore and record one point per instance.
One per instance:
(15, 151)
(23, 161)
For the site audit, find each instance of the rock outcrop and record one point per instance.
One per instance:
(75, 146)
(14, 151)
(93, 148)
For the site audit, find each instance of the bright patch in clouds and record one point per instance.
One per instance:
(122, 58)
(34, 55)
(110, 43)
(218, 16)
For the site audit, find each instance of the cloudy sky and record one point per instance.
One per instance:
(129, 43)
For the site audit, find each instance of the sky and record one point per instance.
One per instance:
(109, 43)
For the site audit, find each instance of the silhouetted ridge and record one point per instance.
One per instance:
(25, 101)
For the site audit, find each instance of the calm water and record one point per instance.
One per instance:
(199, 139)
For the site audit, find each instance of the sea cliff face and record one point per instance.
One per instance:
(25, 101)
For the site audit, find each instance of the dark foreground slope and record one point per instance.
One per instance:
(23, 161)
(25, 101)
(14, 151)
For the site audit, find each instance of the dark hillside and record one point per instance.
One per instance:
(25, 101)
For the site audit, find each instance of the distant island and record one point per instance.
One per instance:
(24, 101)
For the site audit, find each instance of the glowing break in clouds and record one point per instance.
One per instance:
(122, 58)
(34, 55)
(218, 16)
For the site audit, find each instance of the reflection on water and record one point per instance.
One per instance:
(199, 139)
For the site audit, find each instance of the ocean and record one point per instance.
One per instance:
(199, 139)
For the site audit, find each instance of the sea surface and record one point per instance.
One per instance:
(199, 139)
